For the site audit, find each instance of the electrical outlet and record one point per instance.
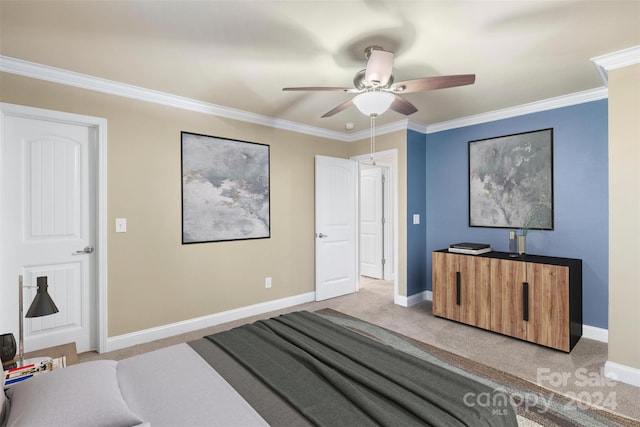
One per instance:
(267, 282)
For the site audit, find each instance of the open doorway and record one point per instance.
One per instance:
(377, 227)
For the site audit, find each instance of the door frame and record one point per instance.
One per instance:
(99, 127)
(393, 185)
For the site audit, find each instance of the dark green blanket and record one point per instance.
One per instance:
(336, 377)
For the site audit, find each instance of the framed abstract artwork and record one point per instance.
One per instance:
(225, 189)
(511, 181)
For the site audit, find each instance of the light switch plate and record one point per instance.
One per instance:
(416, 219)
(121, 225)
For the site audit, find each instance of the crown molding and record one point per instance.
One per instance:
(614, 60)
(520, 110)
(417, 127)
(84, 81)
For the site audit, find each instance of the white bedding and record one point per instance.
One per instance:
(172, 386)
(175, 386)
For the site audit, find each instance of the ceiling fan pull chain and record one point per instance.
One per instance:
(373, 138)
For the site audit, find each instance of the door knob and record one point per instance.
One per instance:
(322, 235)
(86, 250)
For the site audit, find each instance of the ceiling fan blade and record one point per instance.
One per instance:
(379, 67)
(339, 108)
(318, 88)
(431, 83)
(403, 106)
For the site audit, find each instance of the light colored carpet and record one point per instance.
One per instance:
(577, 374)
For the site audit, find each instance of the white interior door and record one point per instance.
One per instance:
(336, 211)
(371, 222)
(48, 208)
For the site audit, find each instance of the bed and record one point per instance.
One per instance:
(296, 369)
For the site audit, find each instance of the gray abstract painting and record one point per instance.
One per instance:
(511, 181)
(225, 189)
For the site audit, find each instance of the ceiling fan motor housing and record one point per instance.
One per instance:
(361, 84)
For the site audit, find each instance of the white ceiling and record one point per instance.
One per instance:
(240, 54)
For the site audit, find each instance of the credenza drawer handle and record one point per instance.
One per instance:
(525, 301)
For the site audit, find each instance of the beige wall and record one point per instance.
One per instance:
(624, 216)
(153, 279)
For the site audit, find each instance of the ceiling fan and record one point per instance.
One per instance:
(376, 90)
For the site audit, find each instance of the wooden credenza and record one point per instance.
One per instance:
(530, 297)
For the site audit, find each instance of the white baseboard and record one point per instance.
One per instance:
(597, 334)
(165, 331)
(622, 373)
(413, 299)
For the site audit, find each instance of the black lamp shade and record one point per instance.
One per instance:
(42, 304)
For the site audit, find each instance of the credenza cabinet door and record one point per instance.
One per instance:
(508, 297)
(475, 291)
(461, 288)
(444, 280)
(548, 305)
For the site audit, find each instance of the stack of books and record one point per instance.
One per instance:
(21, 373)
(470, 248)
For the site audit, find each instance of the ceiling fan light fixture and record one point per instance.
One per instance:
(373, 102)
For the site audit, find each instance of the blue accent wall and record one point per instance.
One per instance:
(580, 179)
(417, 280)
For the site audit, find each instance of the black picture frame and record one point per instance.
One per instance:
(225, 189)
(511, 181)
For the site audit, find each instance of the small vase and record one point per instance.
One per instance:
(522, 244)
(513, 243)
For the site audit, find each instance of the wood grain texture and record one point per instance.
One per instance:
(475, 307)
(444, 285)
(475, 288)
(507, 278)
(549, 305)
